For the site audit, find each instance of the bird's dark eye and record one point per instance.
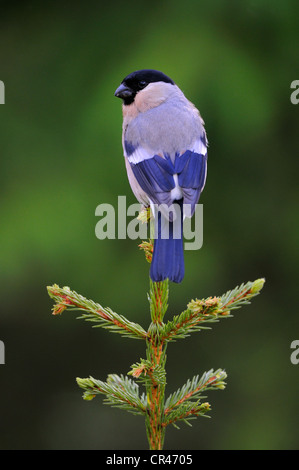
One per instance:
(142, 83)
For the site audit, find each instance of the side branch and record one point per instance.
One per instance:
(186, 412)
(120, 392)
(209, 310)
(193, 389)
(66, 299)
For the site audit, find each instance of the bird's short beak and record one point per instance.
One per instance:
(123, 92)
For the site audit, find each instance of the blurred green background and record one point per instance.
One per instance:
(61, 156)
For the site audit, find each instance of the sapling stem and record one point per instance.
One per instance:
(123, 392)
(156, 355)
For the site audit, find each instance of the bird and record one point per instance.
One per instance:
(165, 150)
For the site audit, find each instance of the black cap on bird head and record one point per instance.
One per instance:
(136, 81)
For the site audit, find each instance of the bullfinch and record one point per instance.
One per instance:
(165, 149)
